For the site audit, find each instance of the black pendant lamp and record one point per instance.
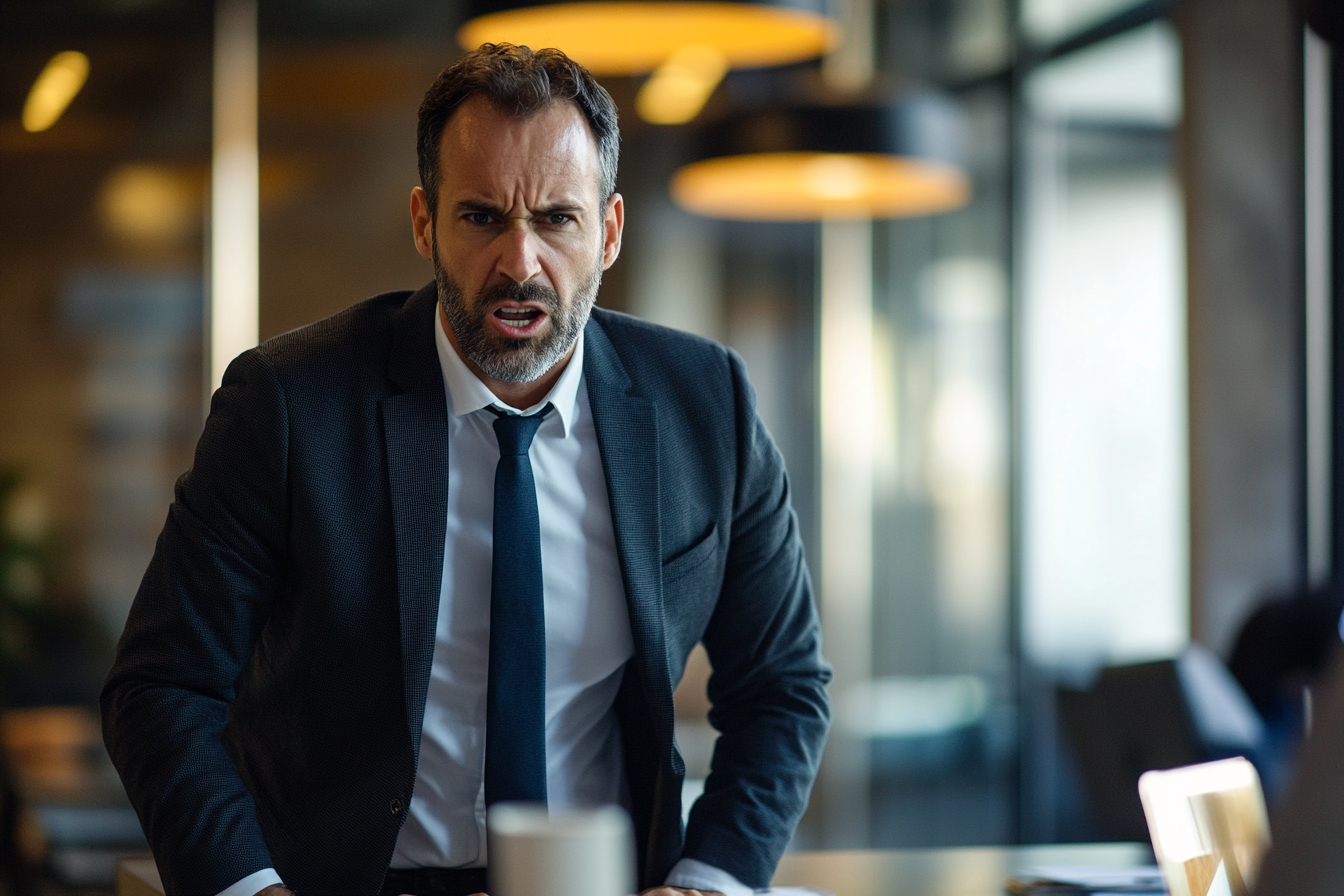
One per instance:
(821, 161)
(1326, 18)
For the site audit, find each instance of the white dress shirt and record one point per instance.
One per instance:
(588, 636)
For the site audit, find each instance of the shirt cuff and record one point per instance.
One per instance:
(696, 875)
(257, 881)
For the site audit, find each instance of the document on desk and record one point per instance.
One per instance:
(1068, 880)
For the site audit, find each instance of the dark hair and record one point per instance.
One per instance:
(519, 82)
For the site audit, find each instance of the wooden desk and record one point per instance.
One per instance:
(941, 872)
(874, 872)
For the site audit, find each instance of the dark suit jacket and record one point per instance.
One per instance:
(265, 704)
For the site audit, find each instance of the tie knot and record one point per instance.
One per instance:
(515, 432)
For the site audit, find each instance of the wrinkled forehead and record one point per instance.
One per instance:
(482, 140)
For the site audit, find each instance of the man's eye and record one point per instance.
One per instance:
(558, 219)
(476, 218)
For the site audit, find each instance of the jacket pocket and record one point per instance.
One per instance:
(693, 557)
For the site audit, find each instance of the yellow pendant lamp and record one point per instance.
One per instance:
(687, 46)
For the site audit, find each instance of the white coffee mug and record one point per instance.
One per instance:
(571, 852)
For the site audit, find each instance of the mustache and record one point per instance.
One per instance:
(538, 293)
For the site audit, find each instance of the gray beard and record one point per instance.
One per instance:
(515, 360)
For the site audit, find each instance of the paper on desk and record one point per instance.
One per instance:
(1092, 879)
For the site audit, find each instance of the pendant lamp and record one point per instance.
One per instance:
(1326, 18)
(688, 46)
(822, 161)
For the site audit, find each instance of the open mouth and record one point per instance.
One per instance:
(518, 321)
(518, 318)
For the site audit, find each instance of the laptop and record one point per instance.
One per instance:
(1208, 825)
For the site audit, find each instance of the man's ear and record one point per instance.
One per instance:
(613, 225)
(422, 223)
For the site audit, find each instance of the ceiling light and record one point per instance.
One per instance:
(828, 162)
(688, 46)
(800, 186)
(631, 38)
(151, 203)
(53, 90)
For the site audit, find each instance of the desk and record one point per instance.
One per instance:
(871, 872)
(978, 871)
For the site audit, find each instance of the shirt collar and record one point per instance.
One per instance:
(467, 394)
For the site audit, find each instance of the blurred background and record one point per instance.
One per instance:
(1061, 439)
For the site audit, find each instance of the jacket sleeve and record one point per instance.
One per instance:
(216, 571)
(768, 688)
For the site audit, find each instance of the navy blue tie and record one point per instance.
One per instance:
(515, 705)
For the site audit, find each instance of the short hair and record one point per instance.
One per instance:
(518, 82)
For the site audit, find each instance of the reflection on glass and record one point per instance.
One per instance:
(1131, 79)
(966, 439)
(1105, 547)
(141, 331)
(54, 90)
(1046, 21)
(935, 713)
(914, 706)
(978, 37)
(151, 204)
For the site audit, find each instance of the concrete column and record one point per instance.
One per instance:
(1243, 169)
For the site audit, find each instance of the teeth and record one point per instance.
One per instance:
(517, 318)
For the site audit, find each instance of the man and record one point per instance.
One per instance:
(453, 547)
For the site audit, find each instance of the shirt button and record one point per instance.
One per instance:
(397, 805)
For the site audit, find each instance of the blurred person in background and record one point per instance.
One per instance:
(453, 547)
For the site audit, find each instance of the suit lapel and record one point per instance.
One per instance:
(415, 433)
(627, 438)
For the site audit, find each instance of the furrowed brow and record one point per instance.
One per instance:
(560, 208)
(478, 205)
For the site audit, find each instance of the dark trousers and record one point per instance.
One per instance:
(434, 882)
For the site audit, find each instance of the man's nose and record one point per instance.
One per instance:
(518, 254)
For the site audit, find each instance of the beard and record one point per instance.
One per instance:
(515, 360)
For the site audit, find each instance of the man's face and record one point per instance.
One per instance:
(520, 237)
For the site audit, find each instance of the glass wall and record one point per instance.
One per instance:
(1046, 22)
(1105, 508)
(939, 707)
(1103, 499)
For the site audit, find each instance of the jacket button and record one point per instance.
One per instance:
(397, 805)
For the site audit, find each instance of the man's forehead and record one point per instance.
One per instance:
(479, 121)
(481, 142)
